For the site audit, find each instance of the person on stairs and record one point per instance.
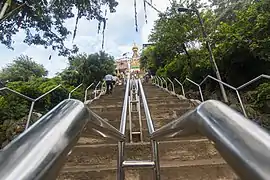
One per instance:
(109, 83)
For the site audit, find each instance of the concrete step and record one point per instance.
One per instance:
(106, 154)
(161, 113)
(172, 106)
(214, 169)
(88, 137)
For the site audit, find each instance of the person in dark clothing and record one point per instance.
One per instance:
(109, 83)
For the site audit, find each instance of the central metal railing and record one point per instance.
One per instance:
(41, 150)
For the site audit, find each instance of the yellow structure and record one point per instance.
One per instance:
(135, 61)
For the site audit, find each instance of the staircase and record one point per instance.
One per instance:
(192, 157)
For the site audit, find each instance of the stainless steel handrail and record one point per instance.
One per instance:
(173, 91)
(18, 93)
(69, 94)
(151, 129)
(253, 80)
(227, 85)
(96, 89)
(166, 84)
(183, 91)
(86, 92)
(124, 109)
(41, 150)
(33, 104)
(122, 130)
(243, 144)
(149, 121)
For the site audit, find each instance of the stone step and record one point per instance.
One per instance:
(214, 169)
(172, 106)
(88, 137)
(106, 154)
(161, 113)
(150, 101)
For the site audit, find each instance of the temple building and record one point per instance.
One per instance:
(135, 60)
(127, 65)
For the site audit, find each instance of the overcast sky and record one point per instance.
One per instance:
(119, 36)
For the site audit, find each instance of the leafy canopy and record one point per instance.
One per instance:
(23, 68)
(44, 21)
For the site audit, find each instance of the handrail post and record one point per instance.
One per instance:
(166, 84)
(156, 83)
(200, 90)
(69, 95)
(86, 91)
(183, 91)
(33, 104)
(231, 87)
(151, 129)
(96, 89)
(161, 83)
(172, 85)
(29, 115)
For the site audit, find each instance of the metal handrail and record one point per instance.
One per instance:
(86, 92)
(231, 87)
(183, 91)
(243, 144)
(40, 152)
(149, 121)
(161, 83)
(96, 89)
(172, 85)
(33, 104)
(124, 109)
(166, 84)
(103, 128)
(198, 85)
(253, 80)
(30, 99)
(227, 85)
(122, 129)
(16, 92)
(151, 129)
(69, 95)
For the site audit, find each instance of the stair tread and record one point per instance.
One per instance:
(163, 164)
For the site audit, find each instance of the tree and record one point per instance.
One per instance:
(86, 69)
(23, 68)
(44, 22)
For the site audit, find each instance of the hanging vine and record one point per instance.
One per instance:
(76, 25)
(145, 11)
(104, 27)
(135, 11)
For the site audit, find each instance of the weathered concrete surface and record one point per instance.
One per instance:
(185, 158)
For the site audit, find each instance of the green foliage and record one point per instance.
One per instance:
(27, 77)
(23, 68)
(45, 23)
(239, 35)
(239, 42)
(86, 69)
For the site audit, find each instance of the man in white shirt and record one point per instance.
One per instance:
(109, 80)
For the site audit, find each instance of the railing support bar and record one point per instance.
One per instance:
(30, 115)
(96, 89)
(182, 87)
(166, 84)
(200, 90)
(86, 92)
(172, 85)
(69, 95)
